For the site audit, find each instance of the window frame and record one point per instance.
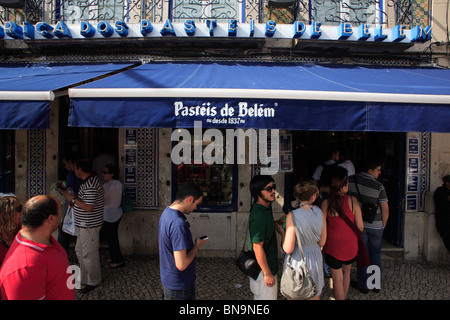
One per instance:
(232, 206)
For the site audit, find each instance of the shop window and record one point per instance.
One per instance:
(7, 161)
(333, 12)
(85, 10)
(217, 181)
(199, 10)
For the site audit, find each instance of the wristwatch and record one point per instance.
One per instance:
(73, 201)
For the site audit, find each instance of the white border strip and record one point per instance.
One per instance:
(27, 95)
(256, 94)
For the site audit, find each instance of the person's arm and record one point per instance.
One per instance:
(73, 200)
(261, 258)
(384, 212)
(184, 258)
(358, 214)
(323, 235)
(289, 238)
(25, 284)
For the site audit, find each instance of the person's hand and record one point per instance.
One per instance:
(279, 229)
(199, 242)
(269, 279)
(63, 191)
(280, 221)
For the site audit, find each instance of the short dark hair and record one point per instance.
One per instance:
(372, 164)
(187, 190)
(71, 156)
(37, 209)
(257, 184)
(113, 169)
(84, 164)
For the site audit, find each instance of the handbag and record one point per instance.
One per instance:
(362, 257)
(297, 284)
(368, 210)
(69, 223)
(246, 262)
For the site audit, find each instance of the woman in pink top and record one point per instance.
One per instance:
(341, 247)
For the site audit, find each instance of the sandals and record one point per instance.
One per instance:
(117, 265)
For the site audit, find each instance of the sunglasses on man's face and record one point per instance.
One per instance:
(270, 188)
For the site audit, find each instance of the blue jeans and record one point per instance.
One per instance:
(372, 239)
(187, 294)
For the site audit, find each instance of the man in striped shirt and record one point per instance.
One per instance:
(372, 191)
(88, 205)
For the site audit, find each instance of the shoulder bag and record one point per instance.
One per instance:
(362, 257)
(297, 284)
(246, 262)
(368, 209)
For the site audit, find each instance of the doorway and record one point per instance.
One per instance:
(309, 150)
(86, 143)
(7, 158)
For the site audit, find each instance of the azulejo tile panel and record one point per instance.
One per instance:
(425, 166)
(147, 191)
(36, 162)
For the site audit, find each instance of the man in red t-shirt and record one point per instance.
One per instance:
(36, 266)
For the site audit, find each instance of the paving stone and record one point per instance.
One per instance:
(219, 279)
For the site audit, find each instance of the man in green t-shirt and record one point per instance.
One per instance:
(263, 239)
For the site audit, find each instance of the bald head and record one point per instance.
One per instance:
(37, 209)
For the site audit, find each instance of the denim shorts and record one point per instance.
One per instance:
(187, 294)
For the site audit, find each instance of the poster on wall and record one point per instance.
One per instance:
(413, 165)
(130, 137)
(411, 202)
(286, 157)
(413, 146)
(130, 156)
(130, 160)
(130, 175)
(413, 183)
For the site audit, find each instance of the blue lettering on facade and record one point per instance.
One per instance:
(211, 24)
(105, 29)
(146, 27)
(344, 32)
(44, 29)
(168, 29)
(189, 27)
(363, 32)
(315, 30)
(271, 28)
(299, 29)
(61, 30)
(87, 30)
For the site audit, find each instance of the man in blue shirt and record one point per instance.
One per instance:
(177, 250)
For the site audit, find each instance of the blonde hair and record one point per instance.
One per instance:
(305, 189)
(8, 221)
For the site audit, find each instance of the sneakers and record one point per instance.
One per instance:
(88, 288)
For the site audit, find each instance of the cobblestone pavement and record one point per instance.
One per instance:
(219, 279)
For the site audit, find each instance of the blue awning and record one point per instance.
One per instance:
(27, 89)
(267, 95)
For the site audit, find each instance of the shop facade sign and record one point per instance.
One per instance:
(211, 28)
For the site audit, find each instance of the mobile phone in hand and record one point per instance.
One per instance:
(61, 186)
(203, 237)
